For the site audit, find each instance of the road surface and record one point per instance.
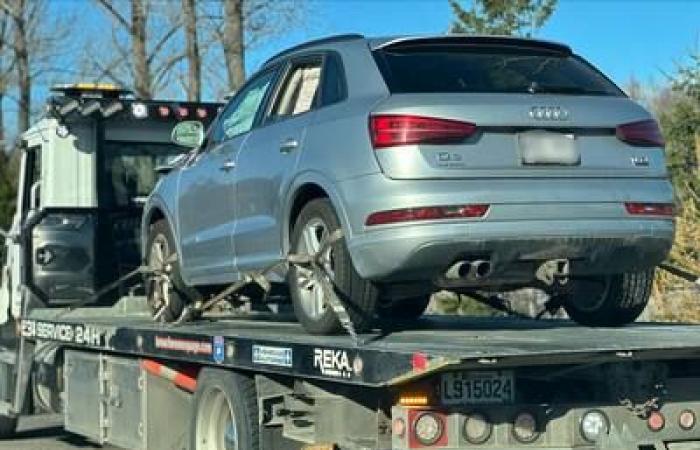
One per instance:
(46, 433)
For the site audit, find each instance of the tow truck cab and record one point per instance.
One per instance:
(86, 168)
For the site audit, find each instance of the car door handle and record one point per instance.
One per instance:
(288, 145)
(227, 165)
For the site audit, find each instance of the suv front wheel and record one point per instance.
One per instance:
(609, 301)
(316, 222)
(166, 292)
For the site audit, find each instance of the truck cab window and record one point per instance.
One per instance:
(129, 170)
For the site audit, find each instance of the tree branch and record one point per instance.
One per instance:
(109, 7)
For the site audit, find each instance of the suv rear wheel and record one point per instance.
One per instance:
(316, 222)
(609, 301)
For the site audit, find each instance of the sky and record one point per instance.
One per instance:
(644, 38)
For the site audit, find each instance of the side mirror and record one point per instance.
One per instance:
(188, 134)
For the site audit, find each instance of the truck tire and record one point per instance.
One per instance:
(404, 309)
(316, 221)
(159, 251)
(8, 427)
(617, 300)
(225, 413)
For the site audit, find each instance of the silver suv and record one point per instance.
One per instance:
(466, 163)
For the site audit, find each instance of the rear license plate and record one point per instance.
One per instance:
(464, 388)
(545, 148)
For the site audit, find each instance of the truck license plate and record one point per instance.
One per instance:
(459, 388)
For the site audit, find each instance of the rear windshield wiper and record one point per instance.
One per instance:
(537, 88)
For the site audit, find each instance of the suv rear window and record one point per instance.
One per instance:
(488, 69)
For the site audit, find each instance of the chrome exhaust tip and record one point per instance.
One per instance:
(481, 269)
(458, 270)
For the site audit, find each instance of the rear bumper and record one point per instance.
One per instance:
(515, 249)
(530, 221)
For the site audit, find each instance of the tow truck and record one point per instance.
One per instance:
(78, 339)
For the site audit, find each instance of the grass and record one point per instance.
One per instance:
(674, 299)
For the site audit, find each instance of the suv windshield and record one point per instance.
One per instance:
(492, 69)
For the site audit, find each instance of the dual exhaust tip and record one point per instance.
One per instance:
(469, 270)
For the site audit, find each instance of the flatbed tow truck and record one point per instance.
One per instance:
(258, 381)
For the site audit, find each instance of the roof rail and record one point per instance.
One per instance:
(477, 40)
(324, 40)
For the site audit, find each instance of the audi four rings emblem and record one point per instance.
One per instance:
(549, 113)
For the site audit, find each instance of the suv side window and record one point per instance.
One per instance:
(299, 89)
(239, 115)
(333, 89)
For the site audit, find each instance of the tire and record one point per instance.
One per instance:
(404, 309)
(610, 301)
(358, 295)
(222, 394)
(179, 294)
(8, 427)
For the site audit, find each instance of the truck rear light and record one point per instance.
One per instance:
(427, 213)
(686, 420)
(398, 427)
(650, 209)
(477, 428)
(201, 113)
(428, 428)
(594, 425)
(645, 133)
(163, 111)
(656, 421)
(182, 112)
(525, 428)
(389, 130)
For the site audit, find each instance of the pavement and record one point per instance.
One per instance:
(46, 433)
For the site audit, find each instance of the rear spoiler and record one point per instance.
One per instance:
(475, 40)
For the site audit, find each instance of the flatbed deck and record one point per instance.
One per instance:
(383, 358)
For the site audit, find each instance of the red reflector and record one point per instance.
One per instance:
(650, 209)
(163, 111)
(645, 133)
(428, 213)
(656, 421)
(388, 130)
(201, 113)
(419, 362)
(182, 112)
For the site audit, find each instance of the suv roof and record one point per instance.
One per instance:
(376, 43)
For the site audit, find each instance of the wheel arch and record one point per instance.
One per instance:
(154, 211)
(308, 187)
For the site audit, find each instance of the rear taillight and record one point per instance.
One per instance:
(427, 213)
(650, 209)
(389, 130)
(645, 133)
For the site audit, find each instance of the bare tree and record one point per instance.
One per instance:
(18, 12)
(194, 62)
(140, 42)
(232, 42)
(237, 26)
(7, 63)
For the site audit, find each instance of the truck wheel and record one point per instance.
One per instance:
(406, 309)
(167, 294)
(8, 427)
(225, 412)
(315, 223)
(610, 301)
